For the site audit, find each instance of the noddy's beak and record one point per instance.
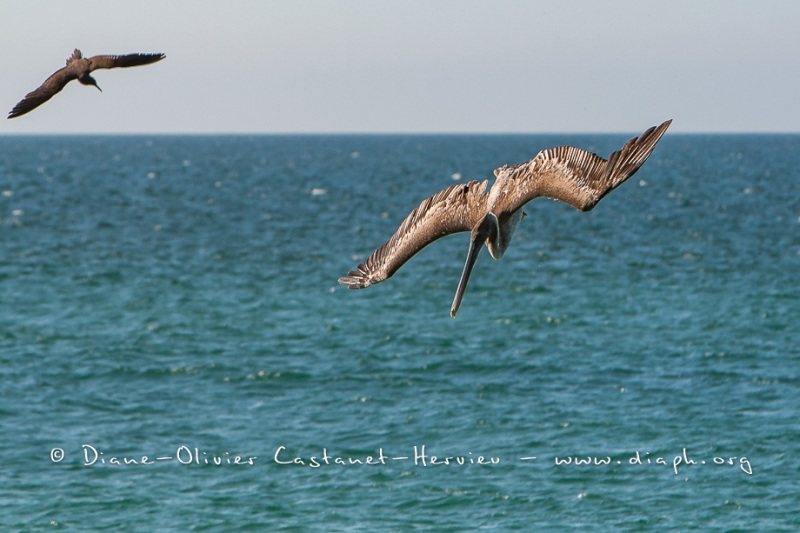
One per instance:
(479, 236)
(98, 87)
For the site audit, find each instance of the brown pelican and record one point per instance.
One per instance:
(571, 175)
(78, 68)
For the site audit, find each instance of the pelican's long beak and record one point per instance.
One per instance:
(479, 236)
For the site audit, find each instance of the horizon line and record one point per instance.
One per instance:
(382, 133)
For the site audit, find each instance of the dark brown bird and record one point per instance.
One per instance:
(78, 68)
(571, 175)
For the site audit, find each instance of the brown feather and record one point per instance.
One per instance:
(571, 175)
(455, 209)
(128, 60)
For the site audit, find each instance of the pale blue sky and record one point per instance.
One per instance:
(409, 65)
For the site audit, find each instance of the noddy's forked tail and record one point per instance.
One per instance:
(566, 173)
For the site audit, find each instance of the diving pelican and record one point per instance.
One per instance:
(568, 174)
(78, 68)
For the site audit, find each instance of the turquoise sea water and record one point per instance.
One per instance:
(176, 298)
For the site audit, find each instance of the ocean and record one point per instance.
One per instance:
(177, 355)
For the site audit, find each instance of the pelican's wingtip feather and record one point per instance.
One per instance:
(356, 279)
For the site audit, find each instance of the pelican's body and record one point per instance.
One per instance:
(566, 173)
(78, 68)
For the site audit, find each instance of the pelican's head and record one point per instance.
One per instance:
(501, 239)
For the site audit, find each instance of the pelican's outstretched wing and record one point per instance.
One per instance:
(571, 175)
(127, 60)
(457, 208)
(45, 92)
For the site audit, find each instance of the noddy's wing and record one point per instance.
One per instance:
(572, 175)
(457, 208)
(127, 60)
(45, 92)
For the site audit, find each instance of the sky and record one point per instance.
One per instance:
(409, 66)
